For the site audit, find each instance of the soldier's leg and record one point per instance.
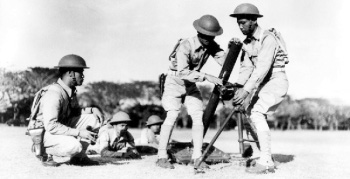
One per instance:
(61, 146)
(269, 97)
(166, 132)
(194, 107)
(81, 122)
(264, 137)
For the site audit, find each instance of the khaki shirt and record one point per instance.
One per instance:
(148, 137)
(191, 56)
(56, 106)
(115, 141)
(261, 53)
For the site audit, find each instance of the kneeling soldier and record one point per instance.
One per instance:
(113, 141)
(65, 123)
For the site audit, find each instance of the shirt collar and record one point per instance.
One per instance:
(66, 88)
(197, 44)
(256, 35)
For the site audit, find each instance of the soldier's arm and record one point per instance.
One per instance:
(183, 67)
(131, 140)
(218, 54)
(104, 149)
(51, 107)
(263, 63)
(246, 68)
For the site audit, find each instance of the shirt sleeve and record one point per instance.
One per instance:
(131, 140)
(51, 107)
(246, 69)
(263, 63)
(218, 54)
(183, 67)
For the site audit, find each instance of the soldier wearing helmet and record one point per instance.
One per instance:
(66, 123)
(186, 61)
(263, 77)
(150, 135)
(117, 142)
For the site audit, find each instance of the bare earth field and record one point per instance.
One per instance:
(303, 154)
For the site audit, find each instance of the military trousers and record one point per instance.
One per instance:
(69, 146)
(178, 92)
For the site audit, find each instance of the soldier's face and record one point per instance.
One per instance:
(155, 128)
(247, 26)
(205, 40)
(77, 76)
(121, 127)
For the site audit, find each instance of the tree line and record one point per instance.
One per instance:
(142, 99)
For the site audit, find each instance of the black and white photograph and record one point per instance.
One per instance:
(174, 89)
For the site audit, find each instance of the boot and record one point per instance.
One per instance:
(49, 162)
(260, 169)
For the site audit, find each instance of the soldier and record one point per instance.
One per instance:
(117, 141)
(263, 76)
(180, 85)
(64, 121)
(150, 135)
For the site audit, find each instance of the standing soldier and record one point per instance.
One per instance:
(65, 123)
(186, 61)
(263, 75)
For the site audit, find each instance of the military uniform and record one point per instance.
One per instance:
(62, 118)
(180, 87)
(263, 75)
(148, 137)
(112, 143)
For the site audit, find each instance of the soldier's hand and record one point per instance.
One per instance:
(98, 114)
(85, 134)
(234, 40)
(213, 79)
(239, 96)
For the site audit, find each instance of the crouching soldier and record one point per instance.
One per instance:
(64, 122)
(117, 142)
(150, 135)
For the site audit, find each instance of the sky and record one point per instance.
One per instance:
(129, 40)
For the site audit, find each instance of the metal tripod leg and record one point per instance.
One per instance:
(241, 140)
(240, 133)
(205, 153)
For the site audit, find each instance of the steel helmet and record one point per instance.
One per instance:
(208, 25)
(120, 117)
(71, 61)
(246, 9)
(154, 119)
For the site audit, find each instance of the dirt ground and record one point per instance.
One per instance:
(303, 154)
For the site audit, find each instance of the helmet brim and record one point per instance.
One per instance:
(154, 123)
(205, 32)
(117, 122)
(71, 67)
(253, 15)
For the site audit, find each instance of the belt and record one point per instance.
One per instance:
(172, 73)
(278, 70)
